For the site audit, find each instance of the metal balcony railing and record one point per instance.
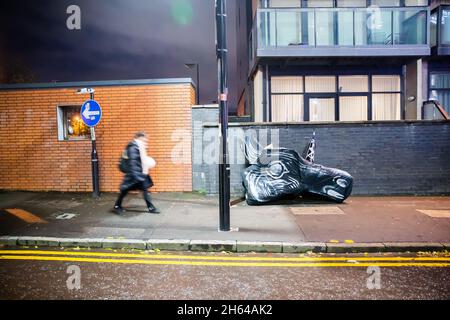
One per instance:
(432, 110)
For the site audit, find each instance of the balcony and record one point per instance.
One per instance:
(334, 32)
(440, 30)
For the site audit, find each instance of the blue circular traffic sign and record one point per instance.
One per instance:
(91, 113)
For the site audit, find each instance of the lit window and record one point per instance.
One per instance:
(70, 125)
(320, 3)
(386, 3)
(285, 3)
(352, 3)
(386, 97)
(287, 99)
(416, 3)
(353, 83)
(321, 84)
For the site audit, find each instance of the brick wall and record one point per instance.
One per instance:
(385, 158)
(32, 158)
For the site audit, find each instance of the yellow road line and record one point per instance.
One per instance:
(25, 216)
(220, 264)
(216, 258)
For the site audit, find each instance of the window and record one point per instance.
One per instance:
(322, 109)
(353, 83)
(386, 98)
(386, 83)
(445, 26)
(285, 3)
(440, 89)
(70, 125)
(433, 29)
(320, 3)
(416, 3)
(287, 99)
(352, 3)
(321, 84)
(316, 98)
(386, 3)
(353, 108)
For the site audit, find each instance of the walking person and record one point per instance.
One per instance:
(137, 173)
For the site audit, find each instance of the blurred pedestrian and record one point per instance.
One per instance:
(135, 163)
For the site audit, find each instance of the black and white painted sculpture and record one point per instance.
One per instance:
(277, 173)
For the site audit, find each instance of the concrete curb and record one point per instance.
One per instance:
(223, 245)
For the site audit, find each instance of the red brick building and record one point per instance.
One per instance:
(44, 146)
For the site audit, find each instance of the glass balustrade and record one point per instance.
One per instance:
(348, 27)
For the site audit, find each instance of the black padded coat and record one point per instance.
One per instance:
(134, 178)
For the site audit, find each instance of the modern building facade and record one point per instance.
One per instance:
(346, 60)
(437, 66)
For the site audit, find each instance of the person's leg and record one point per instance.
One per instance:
(148, 201)
(122, 195)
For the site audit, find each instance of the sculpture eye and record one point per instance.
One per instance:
(276, 170)
(341, 182)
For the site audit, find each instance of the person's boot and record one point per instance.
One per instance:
(119, 210)
(153, 210)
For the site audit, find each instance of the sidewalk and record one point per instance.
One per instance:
(382, 222)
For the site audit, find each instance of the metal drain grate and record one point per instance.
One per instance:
(299, 211)
(436, 213)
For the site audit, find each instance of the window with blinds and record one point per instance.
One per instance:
(386, 98)
(287, 99)
(343, 97)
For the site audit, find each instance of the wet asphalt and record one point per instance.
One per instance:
(25, 279)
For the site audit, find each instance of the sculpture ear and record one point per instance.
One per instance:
(309, 153)
(252, 148)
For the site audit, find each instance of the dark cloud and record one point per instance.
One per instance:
(119, 39)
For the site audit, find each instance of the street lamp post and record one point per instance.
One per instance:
(224, 168)
(197, 67)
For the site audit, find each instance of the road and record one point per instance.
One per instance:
(62, 274)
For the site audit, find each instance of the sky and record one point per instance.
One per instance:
(119, 39)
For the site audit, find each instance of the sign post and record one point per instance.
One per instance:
(91, 114)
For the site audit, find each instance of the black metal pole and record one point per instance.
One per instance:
(224, 168)
(94, 160)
